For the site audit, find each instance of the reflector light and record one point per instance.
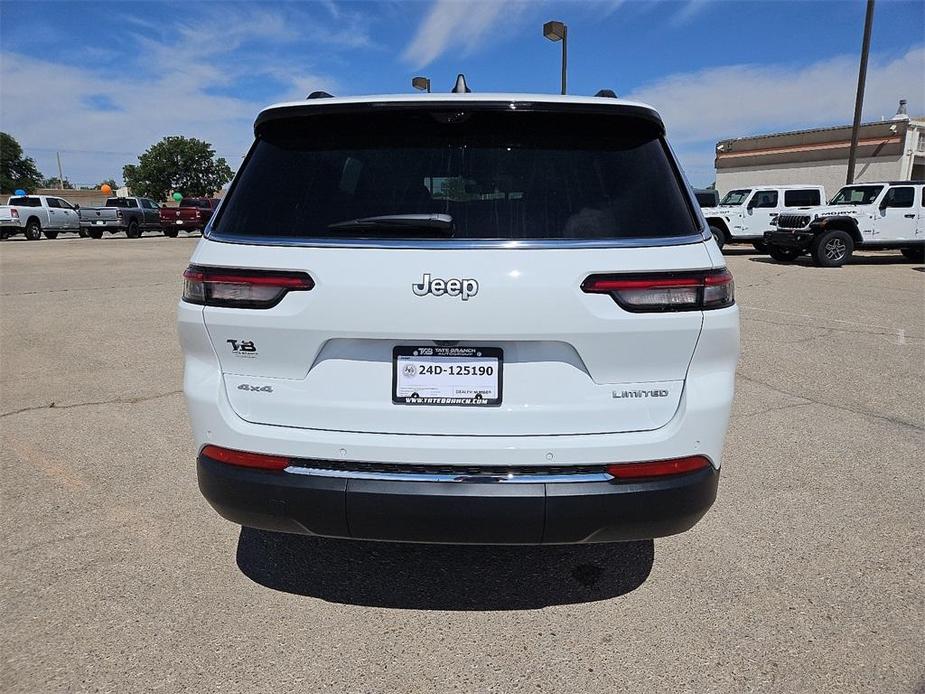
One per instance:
(14, 213)
(658, 468)
(687, 291)
(245, 459)
(213, 286)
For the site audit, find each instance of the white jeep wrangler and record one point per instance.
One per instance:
(744, 214)
(879, 216)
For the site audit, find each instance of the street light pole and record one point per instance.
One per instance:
(558, 31)
(564, 56)
(859, 100)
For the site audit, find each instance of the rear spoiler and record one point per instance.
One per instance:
(319, 107)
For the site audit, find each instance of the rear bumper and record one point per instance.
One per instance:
(457, 512)
(106, 225)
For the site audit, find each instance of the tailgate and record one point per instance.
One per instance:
(99, 214)
(572, 362)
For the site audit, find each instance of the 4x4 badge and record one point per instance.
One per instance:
(255, 389)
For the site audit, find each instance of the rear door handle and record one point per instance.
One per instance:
(909, 216)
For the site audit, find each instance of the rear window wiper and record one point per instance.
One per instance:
(404, 222)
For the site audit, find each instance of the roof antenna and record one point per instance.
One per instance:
(461, 87)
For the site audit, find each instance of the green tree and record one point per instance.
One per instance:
(182, 164)
(16, 171)
(53, 183)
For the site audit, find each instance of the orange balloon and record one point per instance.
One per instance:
(106, 188)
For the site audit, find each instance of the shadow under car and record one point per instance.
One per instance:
(443, 577)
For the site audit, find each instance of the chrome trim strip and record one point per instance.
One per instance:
(440, 244)
(507, 478)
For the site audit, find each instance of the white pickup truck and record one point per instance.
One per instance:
(744, 214)
(33, 215)
(879, 216)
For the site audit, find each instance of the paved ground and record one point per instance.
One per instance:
(116, 576)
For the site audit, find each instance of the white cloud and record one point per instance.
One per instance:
(458, 24)
(687, 11)
(699, 108)
(100, 121)
(739, 100)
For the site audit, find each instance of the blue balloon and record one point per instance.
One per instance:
(19, 191)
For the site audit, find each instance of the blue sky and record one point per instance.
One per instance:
(100, 82)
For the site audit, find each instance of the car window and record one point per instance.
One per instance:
(65, 204)
(802, 198)
(765, 198)
(899, 197)
(707, 198)
(735, 197)
(52, 202)
(25, 202)
(202, 203)
(496, 174)
(147, 204)
(856, 195)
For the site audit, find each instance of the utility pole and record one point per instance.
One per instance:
(859, 101)
(60, 175)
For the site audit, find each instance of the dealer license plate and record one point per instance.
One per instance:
(100, 222)
(468, 376)
(179, 221)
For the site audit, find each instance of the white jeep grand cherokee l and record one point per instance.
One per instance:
(462, 318)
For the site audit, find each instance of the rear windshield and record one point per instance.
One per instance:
(196, 202)
(488, 174)
(121, 202)
(25, 202)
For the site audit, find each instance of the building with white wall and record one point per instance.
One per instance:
(891, 150)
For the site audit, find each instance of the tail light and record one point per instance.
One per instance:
(218, 286)
(676, 291)
(14, 213)
(120, 214)
(658, 468)
(245, 459)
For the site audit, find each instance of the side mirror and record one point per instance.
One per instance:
(76, 206)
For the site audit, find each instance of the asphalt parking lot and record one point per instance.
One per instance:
(806, 576)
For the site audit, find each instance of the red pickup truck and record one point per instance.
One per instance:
(192, 215)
